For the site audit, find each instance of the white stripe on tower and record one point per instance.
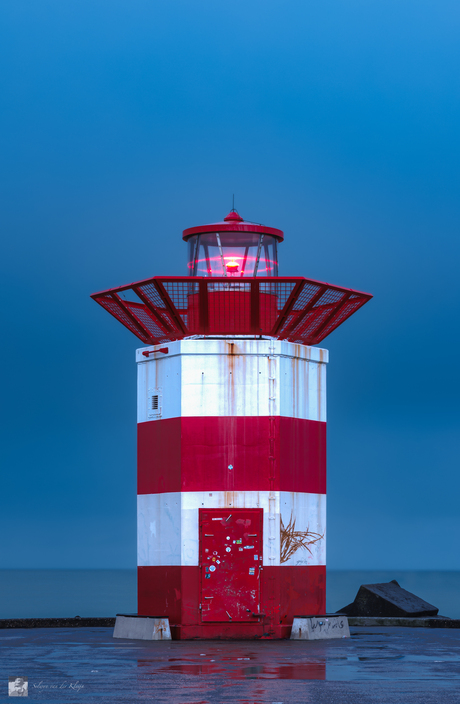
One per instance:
(232, 377)
(168, 524)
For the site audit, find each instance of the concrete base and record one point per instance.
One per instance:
(319, 627)
(141, 627)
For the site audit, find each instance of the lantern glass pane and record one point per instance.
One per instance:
(239, 254)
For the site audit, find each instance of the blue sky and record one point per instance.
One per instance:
(122, 123)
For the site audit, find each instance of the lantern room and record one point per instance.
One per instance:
(233, 248)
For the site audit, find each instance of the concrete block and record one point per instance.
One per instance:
(319, 627)
(388, 599)
(141, 627)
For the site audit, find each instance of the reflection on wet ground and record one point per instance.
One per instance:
(303, 671)
(77, 665)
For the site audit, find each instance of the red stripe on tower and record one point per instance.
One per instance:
(194, 454)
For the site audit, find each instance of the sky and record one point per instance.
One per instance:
(124, 122)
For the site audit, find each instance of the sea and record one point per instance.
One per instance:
(69, 593)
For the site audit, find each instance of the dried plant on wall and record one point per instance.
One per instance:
(292, 539)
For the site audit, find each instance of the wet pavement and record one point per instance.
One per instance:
(79, 665)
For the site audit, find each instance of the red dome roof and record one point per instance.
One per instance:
(233, 223)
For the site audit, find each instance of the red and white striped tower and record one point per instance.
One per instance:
(231, 435)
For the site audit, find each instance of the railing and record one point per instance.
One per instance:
(166, 308)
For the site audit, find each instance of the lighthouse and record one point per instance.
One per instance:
(231, 497)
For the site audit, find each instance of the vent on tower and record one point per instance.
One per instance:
(154, 403)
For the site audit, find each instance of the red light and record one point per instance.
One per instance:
(232, 266)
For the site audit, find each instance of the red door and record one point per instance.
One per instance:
(230, 562)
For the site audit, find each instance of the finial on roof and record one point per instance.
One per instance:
(233, 215)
